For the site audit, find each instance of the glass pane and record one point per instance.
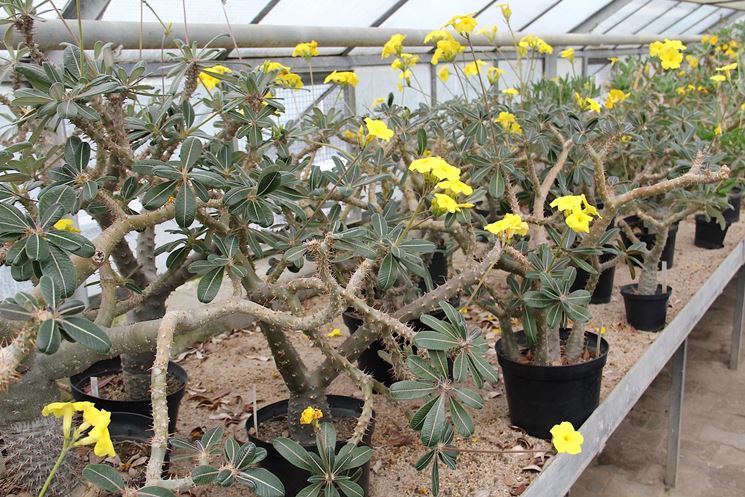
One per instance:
(566, 15)
(623, 13)
(670, 18)
(327, 12)
(522, 14)
(430, 14)
(196, 11)
(646, 15)
(704, 12)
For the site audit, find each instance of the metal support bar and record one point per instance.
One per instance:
(89, 9)
(676, 414)
(264, 11)
(734, 358)
(50, 34)
(550, 65)
(433, 84)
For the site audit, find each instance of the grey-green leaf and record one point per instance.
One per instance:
(104, 476)
(87, 334)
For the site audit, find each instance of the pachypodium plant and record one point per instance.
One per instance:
(515, 184)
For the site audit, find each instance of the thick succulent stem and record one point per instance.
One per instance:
(648, 276)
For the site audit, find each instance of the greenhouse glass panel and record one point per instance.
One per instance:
(706, 11)
(207, 11)
(621, 16)
(565, 15)
(671, 17)
(430, 14)
(327, 12)
(521, 15)
(645, 16)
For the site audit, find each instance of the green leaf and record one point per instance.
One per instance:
(326, 443)
(350, 488)
(212, 436)
(263, 483)
(311, 490)
(433, 340)
(12, 220)
(71, 242)
(154, 492)
(484, 369)
(424, 461)
(37, 248)
(186, 207)
(469, 397)
(14, 312)
(87, 334)
(435, 479)
(231, 449)
(537, 299)
(417, 246)
(417, 420)
(270, 180)
(379, 225)
(209, 285)
(421, 141)
(434, 423)
(48, 337)
(71, 307)
(191, 151)
(49, 291)
(158, 195)
(104, 477)
(360, 455)
(387, 273)
(294, 453)
(440, 326)
(51, 215)
(259, 212)
(245, 456)
(89, 190)
(420, 368)
(59, 267)
(460, 367)
(461, 419)
(408, 390)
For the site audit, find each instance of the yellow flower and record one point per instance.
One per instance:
(438, 35)
(510, 92)
(615, 96)
(462, 24)
(506, 11)
(535, 43)
(742, 107)
(577, 211)
(692, 61)
(444, 73)
(455, 187)
(473, 68)
(436, 167)
(509, 122)
(66, 224)
(593, 105)
(565, 439)
(507, 227)
(586, 103)
(625, 138)
(601, 330)
(64, 410)
(306, 50)
(489, 33)
(568, 53)
(613, 60)
(209, 81)
(336, 332)
(444, 203)
(718, 130)
(271, 66)
(349, 135)
(342, 78)
(309, 415)
(99, 434)
(493, 74)
(710, 39)
(579, 221)
(669, 52)
(728, 68)
(447, 49)
(393, 46)
(718, 78)
(289, 80)
(378, 129)
(680, 90)
(378, 101)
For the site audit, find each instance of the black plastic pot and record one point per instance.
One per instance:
(79, 381)
(604, 289)
(646, 312)
(540, 397)
(294, 478)
(649, 239)
(709, 234)
(128, 426)
(732, 215)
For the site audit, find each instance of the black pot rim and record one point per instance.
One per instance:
(334, 402)
(552, 373)
(113, 366)
(122, 419)
(634, 221)
(704, 219)
(630, 291)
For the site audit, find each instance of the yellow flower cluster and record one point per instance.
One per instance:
(404, 64)
(336, 332)
(509, 123)
(447, 177)
(284, 78)
(473, 68)
(208, 80)
(310, 415)
(444, 74)
(463, 24)
(95, 419)
(670, 53)
(577, 212)
(306, 50)
(507, 227)
(587, 103)
(445, 203)
(435, 167)
(375, 129)
(566, 439)
(446, 47)
(614, 97)
(393, 46)
(342, 78)
(533, 42)
(493, 74)
(568, 53)
(510, 92)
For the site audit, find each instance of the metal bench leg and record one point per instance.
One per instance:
(676, 414)
(734, 358)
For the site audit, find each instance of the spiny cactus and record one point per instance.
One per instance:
(25, 458)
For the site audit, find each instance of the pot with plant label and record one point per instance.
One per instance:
(111, 395)
(646, 312)
(272, 421)
(641, 231)
(709, 233)
(540, 397)
(732, 214)
(604, 288)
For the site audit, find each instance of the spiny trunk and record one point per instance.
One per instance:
(576, 342)
(136, 367)
(548, 347)
(29, 442)
(509, 344)
(648, 277)
(316, 398)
